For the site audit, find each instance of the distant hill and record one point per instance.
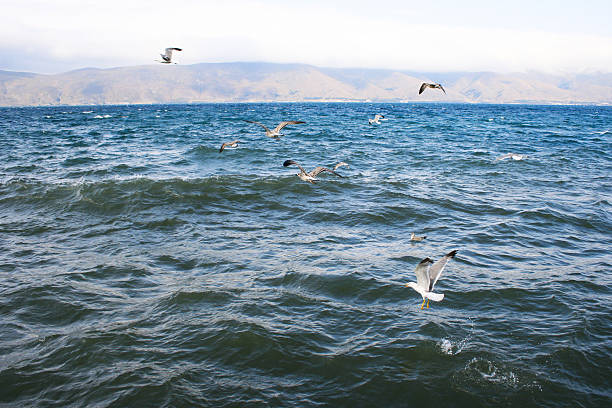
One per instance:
(266, 82)
(11, 75)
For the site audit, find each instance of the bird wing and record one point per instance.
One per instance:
(505, 156)
(228, 144)
(436, 269)
(320, 169)
(169, 50)
(288, 163)
(421, 272)
(283, 124)
(339, 165)
(377, 116)
(260, 124)
(168, 53)
(442, 88)
(423, 86)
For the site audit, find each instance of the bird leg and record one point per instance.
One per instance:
(428, 303)
(423, 304)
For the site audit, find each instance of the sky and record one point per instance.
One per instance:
(559, 36)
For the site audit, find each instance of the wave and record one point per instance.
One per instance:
(147, 190)
(143, 265)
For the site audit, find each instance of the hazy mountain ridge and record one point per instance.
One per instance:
(267, 82)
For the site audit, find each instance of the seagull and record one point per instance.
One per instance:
(230, 145)
(376, 119)
(512, 156)
(428, 273)
(167, 56)
(415, 238)
(311, 177)
(276, 131)
(426, 85)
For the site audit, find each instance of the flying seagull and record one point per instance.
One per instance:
(376, 119)
(311, 177)
(512, 156)
(426, 85)
(428, 273)
(416, 238)
(230, 145)
(167, 56)
(276, 131)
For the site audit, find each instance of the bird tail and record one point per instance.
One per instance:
(436, 297)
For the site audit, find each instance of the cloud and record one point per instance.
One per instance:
(70, 34)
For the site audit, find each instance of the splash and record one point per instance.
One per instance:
(452, 348)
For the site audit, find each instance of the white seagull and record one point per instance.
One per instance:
(229, 145)
(311, 177)
(377, 119)
(417, 238)
(512, 156)
(276, 131)
(428, 273)
(167, 56)
(425, 85)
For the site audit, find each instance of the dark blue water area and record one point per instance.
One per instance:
(140, 266)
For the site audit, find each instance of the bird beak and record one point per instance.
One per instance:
(406, 285)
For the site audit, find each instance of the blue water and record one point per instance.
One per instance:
(141, 267)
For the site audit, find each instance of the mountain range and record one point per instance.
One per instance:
(269, 82)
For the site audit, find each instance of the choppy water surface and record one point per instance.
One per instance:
(141, 267)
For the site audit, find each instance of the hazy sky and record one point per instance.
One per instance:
(436, 35)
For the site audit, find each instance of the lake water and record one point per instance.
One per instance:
(141, 267)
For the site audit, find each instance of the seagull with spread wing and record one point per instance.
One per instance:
(426, 85)
(428, 272)
(311, 176)
(167, 56)
(276, 131)
(229, 145)
(377, 119)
